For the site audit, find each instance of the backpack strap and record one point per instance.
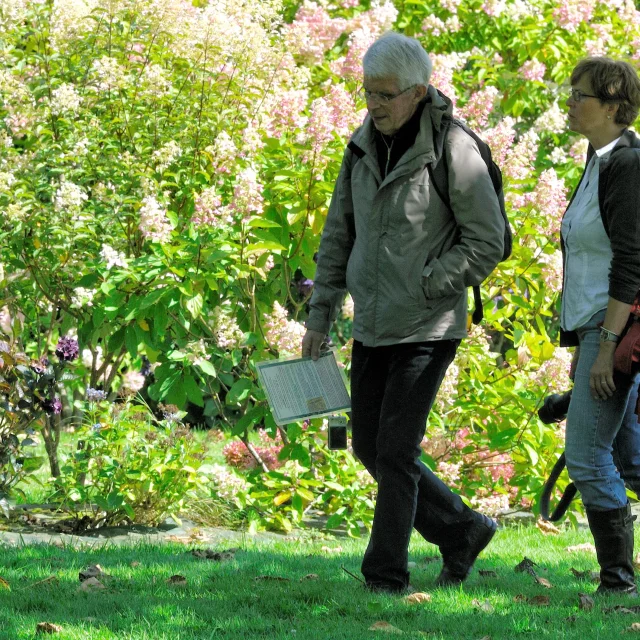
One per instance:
(355, 149)
(439, 177)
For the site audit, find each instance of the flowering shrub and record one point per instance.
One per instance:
(129, 468)
(238, 455)
(166, 168)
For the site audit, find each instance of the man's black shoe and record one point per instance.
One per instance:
(457, 563)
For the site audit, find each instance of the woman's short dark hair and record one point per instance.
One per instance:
(612, 81)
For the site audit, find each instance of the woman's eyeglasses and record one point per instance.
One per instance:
(578, 96)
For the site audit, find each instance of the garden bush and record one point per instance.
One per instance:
(128, 467)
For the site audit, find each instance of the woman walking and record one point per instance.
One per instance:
(601, 248)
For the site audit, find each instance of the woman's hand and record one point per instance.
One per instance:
(601, 374)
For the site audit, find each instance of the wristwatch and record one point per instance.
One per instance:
(608, 336)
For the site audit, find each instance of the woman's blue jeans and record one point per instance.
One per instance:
(602, 436)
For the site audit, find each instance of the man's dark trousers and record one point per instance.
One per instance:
(392, 390)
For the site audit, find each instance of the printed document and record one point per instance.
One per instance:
(301, 388)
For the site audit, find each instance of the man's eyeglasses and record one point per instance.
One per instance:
(578, 96)
(382, 98)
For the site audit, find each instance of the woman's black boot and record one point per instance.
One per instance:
(613, 535)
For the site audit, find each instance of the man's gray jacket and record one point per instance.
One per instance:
(404, 257)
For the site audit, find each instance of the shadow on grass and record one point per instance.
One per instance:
(265, 591)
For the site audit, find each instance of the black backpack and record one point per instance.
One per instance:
(439, 176)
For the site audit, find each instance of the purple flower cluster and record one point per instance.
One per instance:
(95, 395)
(305, 287)
(67, 349)
(52, 406)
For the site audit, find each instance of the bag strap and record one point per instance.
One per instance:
(439, 177)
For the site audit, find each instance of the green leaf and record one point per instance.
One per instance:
(160, 319)
(207, 367)
(131, 340)
(247, 421)
(533, 454)
(239, 391)
(263, 223)
(177, 394)
(116, 340)
(259, 247)
(194, 393)
(194, 305)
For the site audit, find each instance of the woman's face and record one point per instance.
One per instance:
(588, 115)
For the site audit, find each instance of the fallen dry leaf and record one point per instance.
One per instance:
(585, 602)
(593, 576)
(134, 564)
(417, 598)
(621, 608)
(310, 576)
(526, 566)
(381, 625)
(520, 598)
(219, 556)
(587, 547)
(177, 581)
(636, 561)
(275, 578)
(547, 527)
(93, 571)
(91, 584)
(485, 606)
(430, 559)
(541, 601)
(544, 582)
(197, 535)
(4, 585)
(48, 627)
(571, 619)
(326, 549)
(412, 565)
(487, 573)
(634, 628)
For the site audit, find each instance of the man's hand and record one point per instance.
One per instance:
(311, 343)
(601, 374)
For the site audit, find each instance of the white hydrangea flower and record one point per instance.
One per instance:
(65, 99)
(82, 297)
(112, 257)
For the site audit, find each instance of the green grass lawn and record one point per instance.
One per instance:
(233, 599)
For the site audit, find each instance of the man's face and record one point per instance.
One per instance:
(390, 114)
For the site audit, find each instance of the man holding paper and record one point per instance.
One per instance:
(407, 259)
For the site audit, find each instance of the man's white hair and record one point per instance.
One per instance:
(396, 56)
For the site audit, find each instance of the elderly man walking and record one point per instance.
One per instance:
(407, 259)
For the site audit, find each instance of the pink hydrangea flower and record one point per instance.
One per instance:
(533, 70)
(480, 106)
(571, 13)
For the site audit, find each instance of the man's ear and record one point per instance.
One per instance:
(421, 92)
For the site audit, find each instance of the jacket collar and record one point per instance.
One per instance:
(627, 139)
(436, 109)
